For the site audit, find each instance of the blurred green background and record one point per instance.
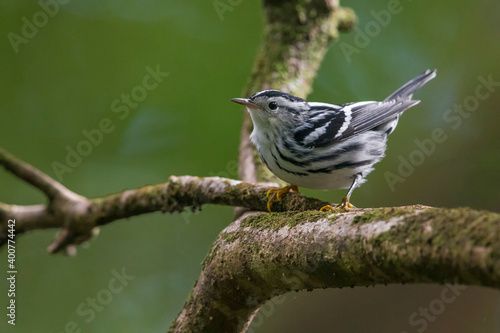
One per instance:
(65, 77)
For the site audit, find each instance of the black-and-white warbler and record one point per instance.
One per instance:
(324, 146)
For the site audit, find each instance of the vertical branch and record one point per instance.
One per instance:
(296, 37)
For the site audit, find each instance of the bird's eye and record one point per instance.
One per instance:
(273, 105)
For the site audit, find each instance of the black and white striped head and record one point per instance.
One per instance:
(274, 107)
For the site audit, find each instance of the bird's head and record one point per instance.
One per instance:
(274, 108)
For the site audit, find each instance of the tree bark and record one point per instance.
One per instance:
(261, 255)
(78, 216)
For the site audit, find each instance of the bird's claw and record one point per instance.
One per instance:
(279, 192)
(344, 205)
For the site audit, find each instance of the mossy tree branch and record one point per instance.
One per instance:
(260, 256)
(77, 216)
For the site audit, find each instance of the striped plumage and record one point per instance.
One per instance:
(325, 146)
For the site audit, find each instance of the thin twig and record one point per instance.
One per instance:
(78, 216)
(31, 175)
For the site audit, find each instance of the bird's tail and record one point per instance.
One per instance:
(407, 90)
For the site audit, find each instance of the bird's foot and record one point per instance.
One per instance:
(277, 192)
(344, 205)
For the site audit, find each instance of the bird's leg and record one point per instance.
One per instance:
(344, 204)
(278, 192)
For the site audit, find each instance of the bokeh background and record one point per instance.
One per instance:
(65, 77)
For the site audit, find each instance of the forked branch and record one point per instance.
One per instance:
(77, 216)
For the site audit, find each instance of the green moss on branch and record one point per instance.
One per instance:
(264, 255)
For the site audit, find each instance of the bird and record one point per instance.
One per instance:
(324, 146)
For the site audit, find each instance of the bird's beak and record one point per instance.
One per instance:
(246, 102)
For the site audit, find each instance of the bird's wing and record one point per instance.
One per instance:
(330, 123)
(324, 123)
(368, 115)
